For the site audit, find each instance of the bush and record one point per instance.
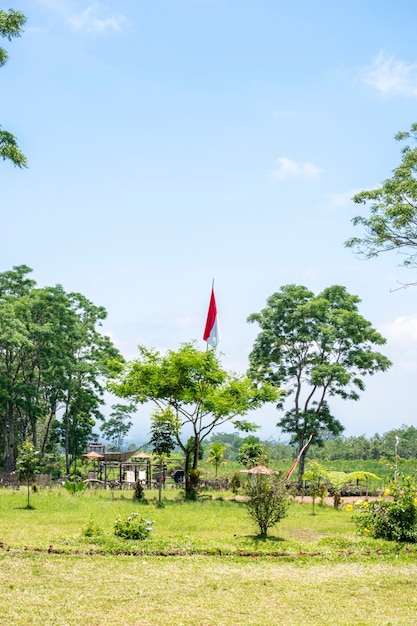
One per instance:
(133, 527)
(235, 483)
(267, 503)
(394, 519)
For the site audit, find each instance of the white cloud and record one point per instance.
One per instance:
(389, 76)
(343, 198)
(403, 330)
(287, 168)
(92, 20)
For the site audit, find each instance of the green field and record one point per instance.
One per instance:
(203, 564)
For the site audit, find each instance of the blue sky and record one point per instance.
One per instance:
(171, 142)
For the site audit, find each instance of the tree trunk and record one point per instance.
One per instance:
(9, 443)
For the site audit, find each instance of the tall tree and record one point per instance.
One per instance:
(116, 428)
(316, 347)
(53, 363)
(10, 26)
(392, 220)
(201, 395)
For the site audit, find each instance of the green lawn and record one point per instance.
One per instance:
(203, 565)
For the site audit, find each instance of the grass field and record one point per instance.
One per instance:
(202, 565)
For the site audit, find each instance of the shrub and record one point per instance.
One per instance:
(132, 527)
(92, 529)
(235, 483)
(139, 492)
(394, 519)
(267, 503)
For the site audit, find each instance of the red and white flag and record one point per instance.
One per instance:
(212, 331)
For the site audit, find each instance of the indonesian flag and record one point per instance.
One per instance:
(212, 331)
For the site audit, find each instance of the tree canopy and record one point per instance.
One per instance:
(315, 347)
(11, 23)
(391, 223)
(201, 395)
(53, 362)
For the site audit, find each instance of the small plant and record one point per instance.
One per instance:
(394, 519)
(235, 483)
(74, 487)
(139, 492)
(132, 527)
(92, 529)
(267, 503)
(26, 466)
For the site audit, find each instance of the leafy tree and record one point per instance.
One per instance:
(27, 464)
(11, 23)
(53, 361)
(117, 427)
(392, 220)
(216, 455)
(313, 475)
(201, 395)
(252, 452)
(267, 500)
(316, 347)
(162, 439)
(231, 441)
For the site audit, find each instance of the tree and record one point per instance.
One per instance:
(251, 452)
(392, 220)
(10, 26)
(267, 500)
(117, 427)
(216, 456)
(316, 347)
(53, 361)
(201, 395)
(27, 464)
(314, 473)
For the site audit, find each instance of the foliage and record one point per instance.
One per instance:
(393, 519)
(392, 220)
(199, 393)
(74, 487)
(92, 529)
(163, 425)
(235, 483)
(27, 465)
(313, 475)
(116, 428)
(267, 503)
(216, 457)
(53, 361)
(132, 527)
(11, 24)
(252, 452)
(318, 347)
(139, 491)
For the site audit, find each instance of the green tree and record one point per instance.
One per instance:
(267, 500)
(201, 395)
(391, 223)
(317, 347)
(313, 475)
(251, 452)
(11, 23)
(216, 456)
(27, 464)
(163, 424)
(53, 363)
(116, 428)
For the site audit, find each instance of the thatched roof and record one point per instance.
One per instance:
(258, 469)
